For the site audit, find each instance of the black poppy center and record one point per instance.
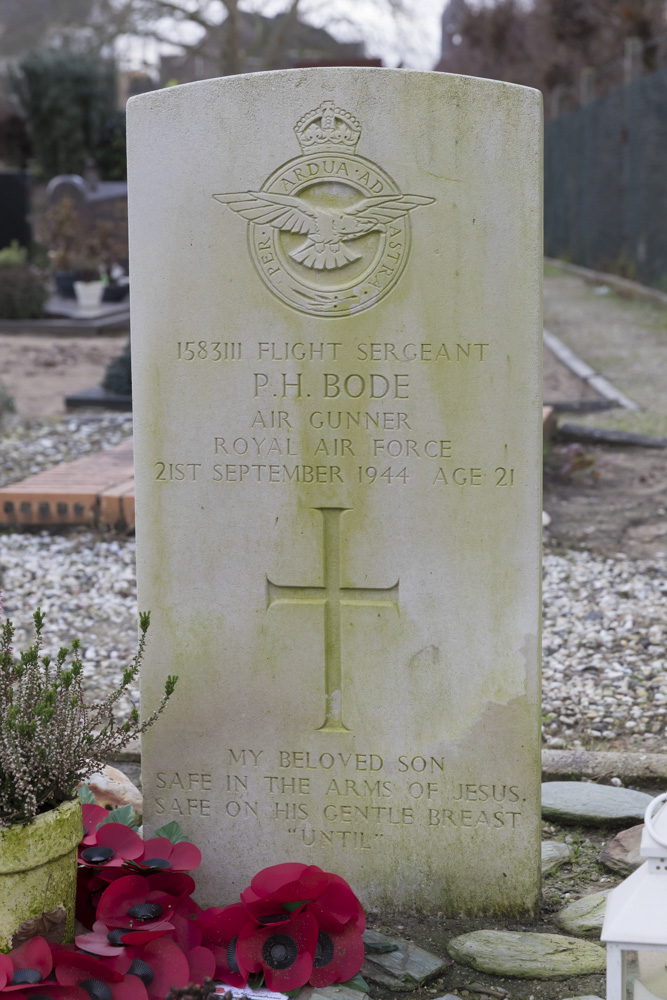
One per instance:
(97, 855)
(26, 977)
(96, 989)
(40, 996)
(116, 936)
(324, 951)
(142, 971)
(274, 918)
(145, 911)
(231, 956)
(156, 863)
(280, 951)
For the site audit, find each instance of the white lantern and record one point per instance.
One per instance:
(635, 923)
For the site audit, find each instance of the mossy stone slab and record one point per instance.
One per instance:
(333, 992)
(525, 955)
(584, 916)
(554, 854)
(591, 804)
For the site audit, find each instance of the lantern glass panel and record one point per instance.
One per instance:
(645, 975)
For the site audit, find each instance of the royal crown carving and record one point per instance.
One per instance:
(328, 128)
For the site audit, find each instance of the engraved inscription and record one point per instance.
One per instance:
(328, 232)
(332, 596)
(342, 798)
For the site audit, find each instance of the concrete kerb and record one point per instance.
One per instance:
(584, 371)
(625, 286)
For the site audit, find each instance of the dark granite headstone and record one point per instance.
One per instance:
(14, 209)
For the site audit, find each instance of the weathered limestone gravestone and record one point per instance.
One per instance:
(336, 336)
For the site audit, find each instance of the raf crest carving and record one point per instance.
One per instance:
(329, 232)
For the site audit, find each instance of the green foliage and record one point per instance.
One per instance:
(7, 404)
(50, 739)
(86, 796)
(112, 152)
(118, 376)
(66, 98)
(172, 831)
(14, 255)
(357, 983)
(124, 815)
(22, 293)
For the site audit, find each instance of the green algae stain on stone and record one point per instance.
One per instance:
(526, 955)
(392, 737)
(38, 869)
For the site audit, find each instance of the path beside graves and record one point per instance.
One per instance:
(608, 498)
(38, 371)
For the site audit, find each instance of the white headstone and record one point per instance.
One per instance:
(336, 352)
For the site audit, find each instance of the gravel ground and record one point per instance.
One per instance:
(605, 619)
(87, 589)
(35, 444)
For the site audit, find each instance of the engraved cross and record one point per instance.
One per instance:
(333, 597)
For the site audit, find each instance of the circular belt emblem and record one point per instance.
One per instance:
(329, 231)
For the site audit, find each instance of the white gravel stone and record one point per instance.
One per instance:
(605, 619)
(604, 677)
(71, 577)
(32, 445)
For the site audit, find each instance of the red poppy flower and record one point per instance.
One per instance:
(284, 953)
(159, 965)
(29, 964)
(176, 884)
(186, 933)
(49, 990)
(338, 957)
(220, 929)
(291, 883)
(106, 941)
(114, 844)
(6, 970)
(97, 979)
(92, 816)
(337, 906)
(134, 903)
(160, 853)
(202, 964)
(90, 883)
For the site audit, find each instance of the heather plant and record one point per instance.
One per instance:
(50, 739)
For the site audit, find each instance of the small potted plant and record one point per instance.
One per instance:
(88, 284)
(50, 741)
(114, 279)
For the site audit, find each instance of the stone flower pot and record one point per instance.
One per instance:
(38, 872)
(89, 293)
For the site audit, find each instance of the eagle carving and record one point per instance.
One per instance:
(328, 231)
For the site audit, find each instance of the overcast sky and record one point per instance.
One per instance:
(412, 39)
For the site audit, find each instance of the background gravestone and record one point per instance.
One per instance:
(336, 358)
(95, 202)
(14, 210)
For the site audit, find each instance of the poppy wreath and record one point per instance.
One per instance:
(145, 935)
(295, 925)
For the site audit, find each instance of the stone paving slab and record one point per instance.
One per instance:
(595, 805)
(94, 490)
